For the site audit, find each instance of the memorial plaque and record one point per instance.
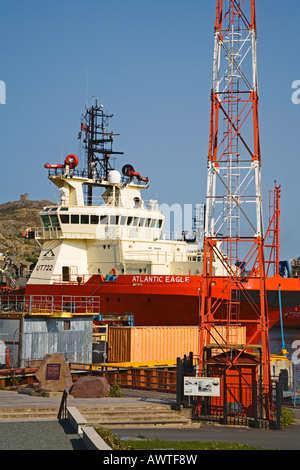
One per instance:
(53, 371)
(54, 374)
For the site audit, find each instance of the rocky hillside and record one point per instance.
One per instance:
(15, 218)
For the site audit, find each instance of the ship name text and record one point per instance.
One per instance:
(162, 279)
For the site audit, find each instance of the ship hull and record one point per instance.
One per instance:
(290, 319)
(175, 300)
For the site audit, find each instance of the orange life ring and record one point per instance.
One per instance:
(71, 160)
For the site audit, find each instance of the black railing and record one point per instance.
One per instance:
(247, 404)
(62, 413)
(184, 368)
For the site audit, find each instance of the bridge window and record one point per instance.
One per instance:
(74, 219)
(85, 219)
(95, 219)
(54, 221)
(104, 219)
(46, 222)
(114, 219)
(64, 218)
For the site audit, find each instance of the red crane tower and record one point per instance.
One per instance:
(234, 234)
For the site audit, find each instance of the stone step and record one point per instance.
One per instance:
(107, 416)
(27, 414)
(134, 419)
(139, 416)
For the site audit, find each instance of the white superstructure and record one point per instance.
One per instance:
(119, 233)
(123, 233)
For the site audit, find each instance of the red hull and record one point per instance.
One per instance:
(290, 319)
(175, 300)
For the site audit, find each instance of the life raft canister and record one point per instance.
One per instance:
(53, 165)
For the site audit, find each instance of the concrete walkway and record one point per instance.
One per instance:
(9, 399)
(58, 435)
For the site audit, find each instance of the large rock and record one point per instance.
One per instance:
(54, 374)
(90, 387)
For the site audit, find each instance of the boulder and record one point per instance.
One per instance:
(54, 374)
(90, 387)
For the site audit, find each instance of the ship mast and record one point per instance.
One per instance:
(98, 142)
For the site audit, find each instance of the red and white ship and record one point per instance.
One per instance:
(115, 251)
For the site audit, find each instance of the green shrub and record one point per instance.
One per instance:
(111, 439)
(286, 418)
(115, 390)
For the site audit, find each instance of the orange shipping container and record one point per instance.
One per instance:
(142, 344)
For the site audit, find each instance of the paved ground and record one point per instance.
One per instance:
(39, 435)
(10, 399)
(288, 439)
(54, 435)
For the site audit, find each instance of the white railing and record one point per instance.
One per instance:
(125, 202)
(109, 232)
(50, 304)
(71, 278)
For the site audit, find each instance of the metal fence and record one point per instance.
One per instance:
(162, 379)
(245, 404)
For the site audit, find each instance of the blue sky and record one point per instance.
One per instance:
(150, 64)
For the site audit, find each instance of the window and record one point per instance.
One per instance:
(129, 220)
(142, 222)
(104, 219)
(74, 219)
(54, 221)
(95, 219)
(159, 223)
(67, 325)
(46, 222)
(136, 221)
(153, 223)
(64, 209)
(114, 219)
(148, 222)
(64, 218)
(123, 220)
(85, 219)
